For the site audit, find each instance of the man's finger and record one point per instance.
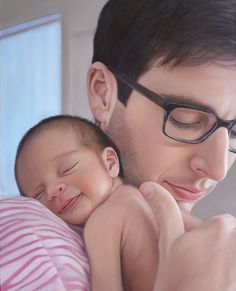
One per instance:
(166, 212)
(191, 222)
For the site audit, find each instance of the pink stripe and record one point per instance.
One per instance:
(13, 231)
(22, 256)
(27, 276)
(39, 251)
(46, 283)
(21, 269)
(16, 239)
(5, 253)
(8, 223)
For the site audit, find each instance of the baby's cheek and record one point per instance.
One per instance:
(49, 205)
(100, 186)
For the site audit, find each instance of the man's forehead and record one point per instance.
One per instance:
(204, 85)
(208, 74)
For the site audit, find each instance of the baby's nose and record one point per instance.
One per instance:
(55, 190)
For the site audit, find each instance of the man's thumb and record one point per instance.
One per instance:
(166, 212)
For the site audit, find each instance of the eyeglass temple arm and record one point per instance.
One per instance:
(154, 97)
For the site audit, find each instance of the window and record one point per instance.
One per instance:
(30, 85)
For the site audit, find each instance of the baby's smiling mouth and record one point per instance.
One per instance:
(69, 203)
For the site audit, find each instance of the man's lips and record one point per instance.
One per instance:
(69, 204)
(186, 193)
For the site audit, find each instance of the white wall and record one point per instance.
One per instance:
(78, 22)
(79, 19)
(222, 199)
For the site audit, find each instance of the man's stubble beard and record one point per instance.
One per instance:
(117, 130)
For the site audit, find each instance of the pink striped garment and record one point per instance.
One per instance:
(38, 251)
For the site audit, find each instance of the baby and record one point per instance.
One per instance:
(70, 166)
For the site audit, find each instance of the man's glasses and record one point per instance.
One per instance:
(183, 122)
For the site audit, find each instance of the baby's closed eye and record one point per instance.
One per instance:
(67, 169)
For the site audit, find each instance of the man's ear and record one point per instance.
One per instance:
(111, 161)
(102, 93)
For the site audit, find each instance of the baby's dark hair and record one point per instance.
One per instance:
(89, 135)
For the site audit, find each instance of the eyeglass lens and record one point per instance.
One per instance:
(192, 125)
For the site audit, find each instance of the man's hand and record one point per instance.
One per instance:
(202, 259)
(190, 221)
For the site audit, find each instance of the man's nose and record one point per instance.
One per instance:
(54, 190)
(211, 158)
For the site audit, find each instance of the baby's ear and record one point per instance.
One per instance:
(111, 161)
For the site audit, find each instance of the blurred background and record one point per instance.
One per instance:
(45, 51)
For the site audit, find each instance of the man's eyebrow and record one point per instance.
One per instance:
(185, 100)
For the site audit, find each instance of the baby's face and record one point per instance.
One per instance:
(69, 179)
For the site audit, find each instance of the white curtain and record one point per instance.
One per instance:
(30, 87)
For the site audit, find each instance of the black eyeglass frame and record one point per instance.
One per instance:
(169, 106)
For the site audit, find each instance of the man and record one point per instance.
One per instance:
(162, 86)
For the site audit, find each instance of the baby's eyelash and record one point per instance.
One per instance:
(38, 195)
(70, 168)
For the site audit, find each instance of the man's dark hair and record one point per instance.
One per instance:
(88, 134)
(131, 34)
